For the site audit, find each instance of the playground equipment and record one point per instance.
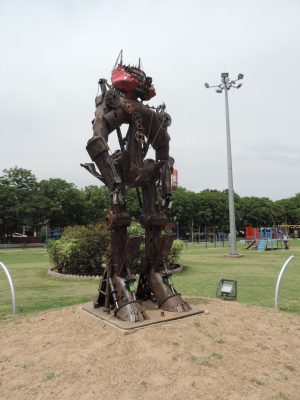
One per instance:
(11, 285)
(286, 228)
(263, 238)
(209, 235)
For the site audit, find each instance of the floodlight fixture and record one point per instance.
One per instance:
(225, 85)
(206, 85)
(227, 290)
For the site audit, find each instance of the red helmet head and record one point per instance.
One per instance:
(132, 81)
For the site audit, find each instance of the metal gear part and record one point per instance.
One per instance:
(166, 119)
(112, 98)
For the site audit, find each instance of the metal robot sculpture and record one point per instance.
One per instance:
(122, 103)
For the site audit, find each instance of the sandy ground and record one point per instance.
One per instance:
(233, 352)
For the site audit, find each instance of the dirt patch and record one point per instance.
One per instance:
(235, 351)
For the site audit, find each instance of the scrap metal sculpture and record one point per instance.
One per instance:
(122, 103)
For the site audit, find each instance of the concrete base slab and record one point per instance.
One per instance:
(155, 314)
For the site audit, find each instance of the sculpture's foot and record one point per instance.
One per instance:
(127, 308)
(175, 303)
(131, 312)
(167, 297)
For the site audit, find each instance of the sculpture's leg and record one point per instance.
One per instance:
(156, 277)
(123, 250)
(117, 290)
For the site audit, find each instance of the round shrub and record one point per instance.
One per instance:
(81, 250)
(176, 250)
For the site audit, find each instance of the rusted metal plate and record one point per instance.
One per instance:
(156, 316)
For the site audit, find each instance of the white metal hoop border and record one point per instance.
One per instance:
(279, 279)
(11, 285)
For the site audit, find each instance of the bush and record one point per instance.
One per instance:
(177, 247)
(81, 250)
(136, 229)
(176, 250)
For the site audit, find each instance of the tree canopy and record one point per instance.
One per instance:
(57, 203)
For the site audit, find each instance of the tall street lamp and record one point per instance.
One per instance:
(226, 84)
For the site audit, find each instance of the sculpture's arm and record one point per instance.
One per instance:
(108, 116)
(160, 143)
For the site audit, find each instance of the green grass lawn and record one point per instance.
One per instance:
(256, 274)
(34, 289)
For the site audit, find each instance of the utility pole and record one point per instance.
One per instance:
(226, 84)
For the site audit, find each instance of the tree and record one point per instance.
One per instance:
(8, 207)
(132, 203)
(290, 209)
(18, 188)
(25, 201)
(19, 178)
(213, 209)
(255, 211)
(96, 199)
(64, 203)
(185, 208)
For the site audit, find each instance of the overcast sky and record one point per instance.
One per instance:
(54, 52)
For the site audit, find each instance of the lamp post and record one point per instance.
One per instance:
(226, 84)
